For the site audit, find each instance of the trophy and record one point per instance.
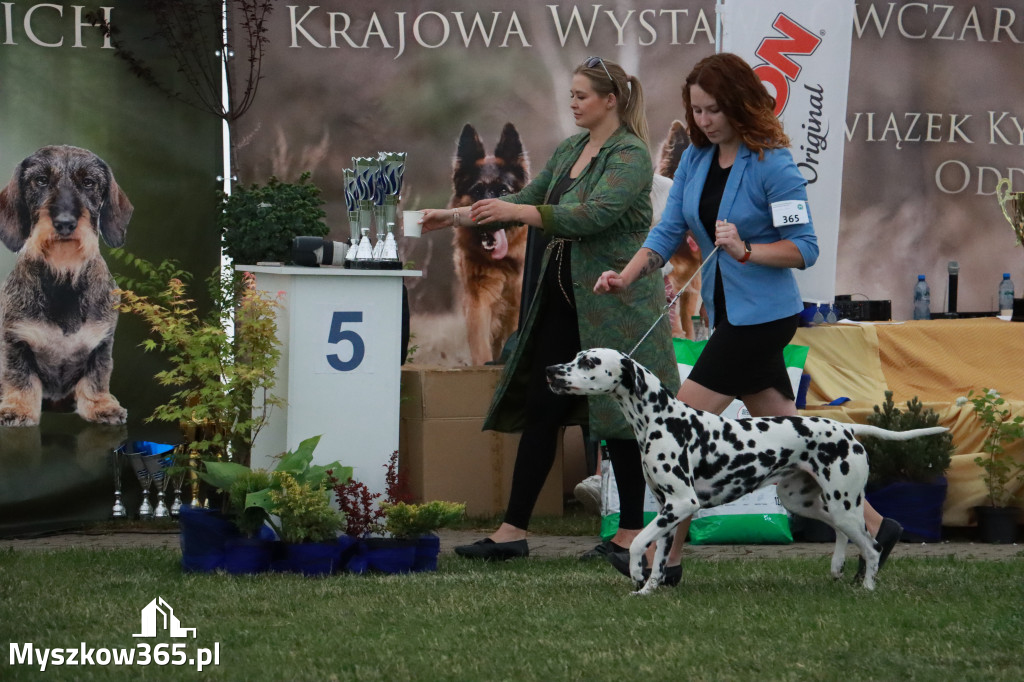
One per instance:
(118, 511)
(157, 466)
(379, 192)
(176, 472)
(352, 203)
(1012, 204)
(366, 182)
(392, 166)
(145, 477)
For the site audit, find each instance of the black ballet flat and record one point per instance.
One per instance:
(489, 550)
(889, 533)
(620, 560)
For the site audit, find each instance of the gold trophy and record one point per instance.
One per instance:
(1012, 204)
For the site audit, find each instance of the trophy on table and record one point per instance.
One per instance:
(157, 465)
(118, 511)
(176, 471)
(392, 172)
(145, 476)
(1012, 204)
(352, 204)
(366, 182)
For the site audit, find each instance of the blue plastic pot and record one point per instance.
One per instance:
(347, 548)
(204, 535)
(312, 558)
(385, 555)
(244, 556)
(917, 507)
(428, 548)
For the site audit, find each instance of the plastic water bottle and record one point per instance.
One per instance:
(700, 332)
(818, 317)
(1006, 295)
(922, 300)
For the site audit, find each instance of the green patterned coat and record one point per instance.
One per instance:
(606, 212)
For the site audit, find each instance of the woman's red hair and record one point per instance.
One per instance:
(742, 98)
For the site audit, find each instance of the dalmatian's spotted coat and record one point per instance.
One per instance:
(694, 459)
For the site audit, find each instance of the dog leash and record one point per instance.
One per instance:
(671, 303)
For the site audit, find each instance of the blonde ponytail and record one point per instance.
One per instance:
(634, 112)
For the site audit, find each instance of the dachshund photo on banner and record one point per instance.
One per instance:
(57, 315)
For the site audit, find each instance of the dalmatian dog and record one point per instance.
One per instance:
(694, 459)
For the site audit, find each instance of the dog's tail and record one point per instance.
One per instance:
(886, 434)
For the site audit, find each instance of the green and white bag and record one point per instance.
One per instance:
(755, 518)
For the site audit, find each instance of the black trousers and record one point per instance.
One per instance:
(557, 340)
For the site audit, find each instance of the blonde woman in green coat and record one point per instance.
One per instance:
(592, 200)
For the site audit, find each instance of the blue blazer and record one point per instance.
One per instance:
(755, 293)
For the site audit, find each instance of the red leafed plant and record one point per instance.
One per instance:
(397, 482)
(362, 511)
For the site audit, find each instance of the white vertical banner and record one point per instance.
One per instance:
(801, 51)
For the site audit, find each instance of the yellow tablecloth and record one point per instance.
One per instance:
(937, 361)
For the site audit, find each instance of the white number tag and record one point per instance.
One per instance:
(793, 212)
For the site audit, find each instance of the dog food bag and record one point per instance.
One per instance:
(757, 518)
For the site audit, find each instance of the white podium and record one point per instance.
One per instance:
(340, 369)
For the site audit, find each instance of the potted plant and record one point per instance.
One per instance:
(997, 520)
(250, 552)
(420, 522)
(309, 524)
(212, 374)
(258, 223)
(395, 535)
(292, 500)
(907, 479)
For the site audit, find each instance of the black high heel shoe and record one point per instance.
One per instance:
(620, 560)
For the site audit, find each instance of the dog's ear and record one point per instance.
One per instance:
(115, 214)
(672, 149)
(469, 151)
(510, 151)
(628, 379)
(15, 223)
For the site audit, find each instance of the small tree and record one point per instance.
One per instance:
(1000, 430)
(191, 30)
(919, 460)
(213, 375)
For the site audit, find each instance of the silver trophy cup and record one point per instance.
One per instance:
(145, 477)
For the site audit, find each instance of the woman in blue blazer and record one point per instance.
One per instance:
(738, 192)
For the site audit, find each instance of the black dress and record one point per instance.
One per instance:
(739, 360)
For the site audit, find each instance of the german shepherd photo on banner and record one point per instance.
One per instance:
(489, 263)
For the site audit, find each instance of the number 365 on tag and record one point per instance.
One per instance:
(787, 213)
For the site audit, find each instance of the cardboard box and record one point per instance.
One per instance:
(444, 450)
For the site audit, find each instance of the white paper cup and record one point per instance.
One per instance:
(411, 223)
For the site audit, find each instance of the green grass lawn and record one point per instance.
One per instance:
(771, 619)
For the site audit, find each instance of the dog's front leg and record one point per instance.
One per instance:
(93, 400)
(21, 399)
(661, 548)
(659, 530)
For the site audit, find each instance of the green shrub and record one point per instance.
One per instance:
(1001, 428)
(258, 223)
(919, 460)
(405, 520)
(305, 510)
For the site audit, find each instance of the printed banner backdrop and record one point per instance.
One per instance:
(933, 120)
(801, 51)
(62, 85)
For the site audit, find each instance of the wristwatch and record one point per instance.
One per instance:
(746, 255)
